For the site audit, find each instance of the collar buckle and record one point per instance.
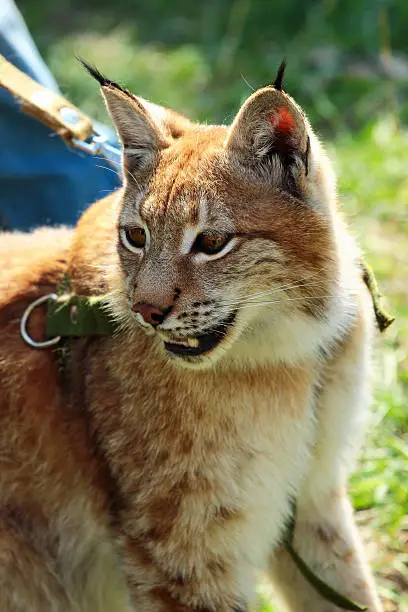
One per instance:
(24, 320)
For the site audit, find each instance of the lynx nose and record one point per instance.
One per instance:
(151, 314)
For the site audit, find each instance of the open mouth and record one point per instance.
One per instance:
(197, 345)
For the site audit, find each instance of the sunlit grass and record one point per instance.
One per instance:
(374, 193)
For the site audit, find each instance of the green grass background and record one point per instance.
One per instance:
(346, 68)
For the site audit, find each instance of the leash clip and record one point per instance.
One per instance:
(24, 320)
(98, 144)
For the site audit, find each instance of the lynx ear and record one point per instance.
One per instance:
(138, 132)
(269, 122)
(140, 137)
(172, 124)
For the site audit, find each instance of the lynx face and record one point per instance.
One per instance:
(225, 235)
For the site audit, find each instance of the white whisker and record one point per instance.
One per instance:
(270, 292)
(283, 300)
(299, 283)
(109, 169)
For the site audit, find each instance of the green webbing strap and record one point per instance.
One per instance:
(383, 319)
(78, 315)
(324, 589)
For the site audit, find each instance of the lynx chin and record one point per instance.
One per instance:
(157, 470)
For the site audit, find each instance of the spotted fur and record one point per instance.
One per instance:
(142, 480)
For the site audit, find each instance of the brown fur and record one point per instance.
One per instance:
(136, 481)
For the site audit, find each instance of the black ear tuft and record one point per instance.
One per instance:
(278, 82)
(102, 79)
(93, 71)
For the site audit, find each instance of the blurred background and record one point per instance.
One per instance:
(348, 68)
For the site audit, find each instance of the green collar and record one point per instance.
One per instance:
(78, 315)
(69, 316)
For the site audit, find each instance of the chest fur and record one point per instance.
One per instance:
(206, 463)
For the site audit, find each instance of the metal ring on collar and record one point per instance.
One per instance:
(24, 319)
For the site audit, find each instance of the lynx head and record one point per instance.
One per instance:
(225, 234)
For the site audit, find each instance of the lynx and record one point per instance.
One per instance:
(156, 469)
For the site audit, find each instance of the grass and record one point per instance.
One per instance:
(373, 188)
(374, 194)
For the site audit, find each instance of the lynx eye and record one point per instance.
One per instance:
(133, 238)
(210, 243)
